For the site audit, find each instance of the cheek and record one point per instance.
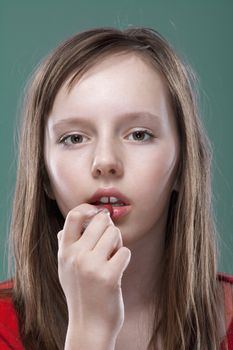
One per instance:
(59, 171)
(64, 174)
(156, 173)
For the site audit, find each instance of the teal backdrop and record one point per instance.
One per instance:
(202, 33)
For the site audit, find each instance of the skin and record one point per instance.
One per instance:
(110, 155)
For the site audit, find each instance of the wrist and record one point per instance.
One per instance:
(88, 338)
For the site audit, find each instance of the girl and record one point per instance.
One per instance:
(112, 229)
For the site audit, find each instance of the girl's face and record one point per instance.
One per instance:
(104, 111)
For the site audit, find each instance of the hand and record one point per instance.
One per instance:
(90, 269)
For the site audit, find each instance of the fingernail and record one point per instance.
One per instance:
(96, 211)
(106, 211)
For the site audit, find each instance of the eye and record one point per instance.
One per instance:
(140, 135)
(70, 140)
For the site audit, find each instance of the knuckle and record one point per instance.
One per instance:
(59, 234)
(74, 263)
(73, 215)
(62, 257)
(115, 232)
(71, 260)
(94, 273)
(79, 259)
(107, 280)
(90, 271)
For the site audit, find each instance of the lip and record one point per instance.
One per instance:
(108, 192)
(115, 212)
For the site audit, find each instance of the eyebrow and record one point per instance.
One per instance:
(126, 117)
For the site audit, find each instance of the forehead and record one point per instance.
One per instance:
(123, 76)
(121, 89)
(119, 86)
(111, 60)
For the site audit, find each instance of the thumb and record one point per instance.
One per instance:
(120, 260)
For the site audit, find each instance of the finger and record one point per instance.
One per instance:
(59, 235)
(109, 243)
(120, 261)
(75, 219)
(96, 229)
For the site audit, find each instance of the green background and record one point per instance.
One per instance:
(202, 33)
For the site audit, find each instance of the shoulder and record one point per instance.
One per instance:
(9, 335)
(226, 282)
(225, 278)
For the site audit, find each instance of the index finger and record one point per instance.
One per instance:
(74, 221)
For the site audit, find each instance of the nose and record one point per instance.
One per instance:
(106, 161)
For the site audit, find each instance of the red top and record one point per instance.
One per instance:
(9, 335)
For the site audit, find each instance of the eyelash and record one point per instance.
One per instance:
(145, 131)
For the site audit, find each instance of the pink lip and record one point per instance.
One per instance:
(108, 192)
(115, 212)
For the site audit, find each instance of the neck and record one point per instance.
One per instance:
(141, 279)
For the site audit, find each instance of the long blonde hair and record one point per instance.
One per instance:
(190, 291)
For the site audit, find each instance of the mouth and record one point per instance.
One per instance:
(116, 210)
(113, 200)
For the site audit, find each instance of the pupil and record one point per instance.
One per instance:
(76, 138)
(138, 134)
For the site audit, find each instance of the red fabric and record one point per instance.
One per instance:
(9, 335)
(227, 283)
